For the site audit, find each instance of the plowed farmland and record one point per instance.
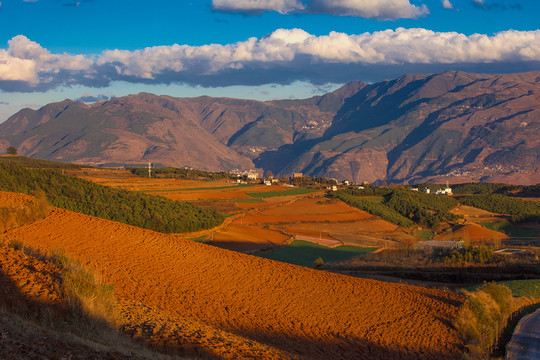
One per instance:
(264, 221)
(472, 232)
(205, 300)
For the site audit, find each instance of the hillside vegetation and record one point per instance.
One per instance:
(401, 206)
(133, 208)
(521, 210)
(494, 188)
(181, 173)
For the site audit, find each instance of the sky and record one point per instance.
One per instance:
(91, 50)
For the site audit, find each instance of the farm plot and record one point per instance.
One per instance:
(232, 305)
(305, 253)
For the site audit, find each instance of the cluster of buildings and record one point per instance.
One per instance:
(446, 191)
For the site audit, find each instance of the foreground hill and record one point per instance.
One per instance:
(205, 300)
(447, 126)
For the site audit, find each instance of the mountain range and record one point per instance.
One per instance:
(450, 126)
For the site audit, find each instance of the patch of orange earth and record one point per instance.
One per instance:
(308, 210)
(30, 289)
(242, 238)
(362, 227)
(472, 212)
(472, 232)
(11, 200)
(263, 308)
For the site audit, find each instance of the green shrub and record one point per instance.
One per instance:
(318, 262)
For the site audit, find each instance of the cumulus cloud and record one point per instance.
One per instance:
(26, 63)
(284, 56)
(380, 9)
(447, 4)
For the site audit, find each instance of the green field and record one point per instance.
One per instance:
(199, 239)
(523, 287)
(424, 234)
(518, 287)
(297, 191)
(305, 253)
(510, 229)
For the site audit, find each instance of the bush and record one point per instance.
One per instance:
(318, 262)
(472, 254)
(483, 318)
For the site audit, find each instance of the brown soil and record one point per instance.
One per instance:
(308, 210)
(11, 200)
(477, 215)
(472, 232)
(233, 305)
(31, 307)
(245, 238)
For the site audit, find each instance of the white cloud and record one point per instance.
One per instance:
(379, 9)
(258, 6)
(447, 4)
(284, 56)
(27, 61)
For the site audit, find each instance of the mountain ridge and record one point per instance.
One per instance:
(450, 126)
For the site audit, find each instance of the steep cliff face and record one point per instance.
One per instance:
(451, 125)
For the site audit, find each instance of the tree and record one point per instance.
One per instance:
(269, 174)
(11, 150)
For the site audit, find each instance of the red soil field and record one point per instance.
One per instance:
(477, 215)
(11, 200)
(243, 238)
(232, 305)
(472, 232)
(308, 210)
(30, 289)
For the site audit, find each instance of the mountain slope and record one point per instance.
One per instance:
(448, 126)
(420, 126)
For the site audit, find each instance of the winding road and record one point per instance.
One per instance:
(525, 343)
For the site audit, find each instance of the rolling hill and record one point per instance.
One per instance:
(213, 303)
(451, 126)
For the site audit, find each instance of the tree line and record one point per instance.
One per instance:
(401, 206)
(133, 208)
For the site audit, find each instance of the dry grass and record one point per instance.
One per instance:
(77, 312)
(34, 208)
(483, 318)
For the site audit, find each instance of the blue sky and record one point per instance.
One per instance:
(51, 50)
